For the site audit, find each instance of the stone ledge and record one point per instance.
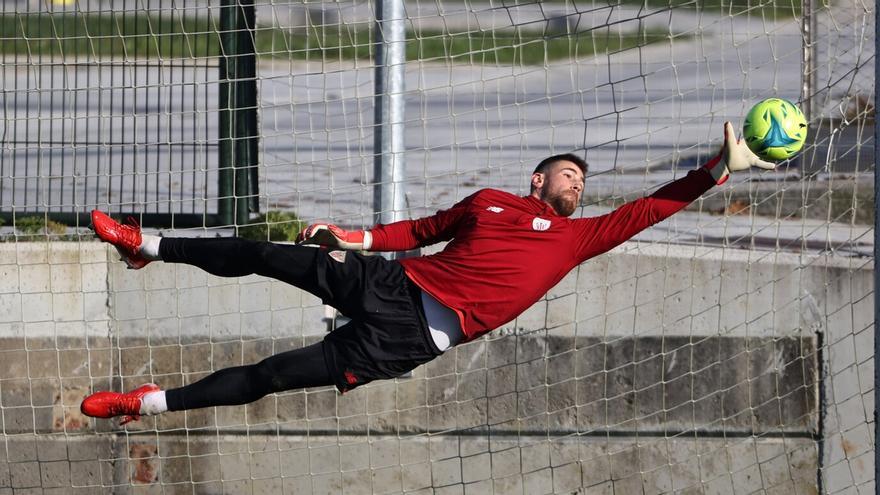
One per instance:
(214, 462)
(515, 383)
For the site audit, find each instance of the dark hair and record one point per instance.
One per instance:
(566, 157)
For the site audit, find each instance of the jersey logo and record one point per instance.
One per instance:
(495, 209)
(540, 224)
(338, 255)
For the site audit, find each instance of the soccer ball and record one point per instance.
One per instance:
(775, 129)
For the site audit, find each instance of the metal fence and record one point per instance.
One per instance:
(140, 111)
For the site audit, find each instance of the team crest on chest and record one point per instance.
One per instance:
(540, 224)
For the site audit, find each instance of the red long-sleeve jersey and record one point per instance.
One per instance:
(506, 251)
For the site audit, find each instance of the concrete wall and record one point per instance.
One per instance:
(652, 369)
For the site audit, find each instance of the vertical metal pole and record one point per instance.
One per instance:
(808, 62)
(876, 253)
(808, 58)
(389, 167)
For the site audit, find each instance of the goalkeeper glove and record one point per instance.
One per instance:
(329, 235)
(735, 156)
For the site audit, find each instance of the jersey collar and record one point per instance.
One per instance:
(540, 207)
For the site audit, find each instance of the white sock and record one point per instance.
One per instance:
(154, 403)
(150, 247)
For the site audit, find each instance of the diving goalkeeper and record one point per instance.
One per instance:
(504, 253)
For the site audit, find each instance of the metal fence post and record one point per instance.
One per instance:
(808, 58)
(239, 133)
(389, 200)
(876, 253)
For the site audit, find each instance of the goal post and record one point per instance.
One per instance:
(876, 248)
(729, 349)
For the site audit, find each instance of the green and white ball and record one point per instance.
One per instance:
(775, 129)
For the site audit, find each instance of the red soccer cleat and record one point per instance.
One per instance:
(111, 404)
(125, 237)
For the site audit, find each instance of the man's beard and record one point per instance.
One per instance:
(563, 203)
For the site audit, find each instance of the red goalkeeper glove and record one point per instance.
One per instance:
(327, 234)
(735, 156)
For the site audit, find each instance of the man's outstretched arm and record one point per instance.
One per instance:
(602, 233)
(327, 234)
(397, 236)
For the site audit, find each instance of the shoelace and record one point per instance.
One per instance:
(129, 232)
(125, 405)
(132, 221)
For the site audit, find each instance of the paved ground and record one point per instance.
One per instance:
(108, 132)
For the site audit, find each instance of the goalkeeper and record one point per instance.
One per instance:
(504, 253)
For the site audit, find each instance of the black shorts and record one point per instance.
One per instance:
(387, 335)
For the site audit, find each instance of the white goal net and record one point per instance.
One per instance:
(727, 350)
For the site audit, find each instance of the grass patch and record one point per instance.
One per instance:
(771, 9)
(36, 228)
(524, 47)
(127, 34)
(37, 225)
(501, 47)
(138, 35)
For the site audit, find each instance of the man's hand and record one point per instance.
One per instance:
(327, 234)
(735, 156)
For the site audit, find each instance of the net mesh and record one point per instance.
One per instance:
(728, 349)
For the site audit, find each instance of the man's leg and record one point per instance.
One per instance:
(231, 256)
(236, 257)
(299, 368)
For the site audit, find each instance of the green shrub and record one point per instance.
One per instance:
(37, 226)
(273, 226)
